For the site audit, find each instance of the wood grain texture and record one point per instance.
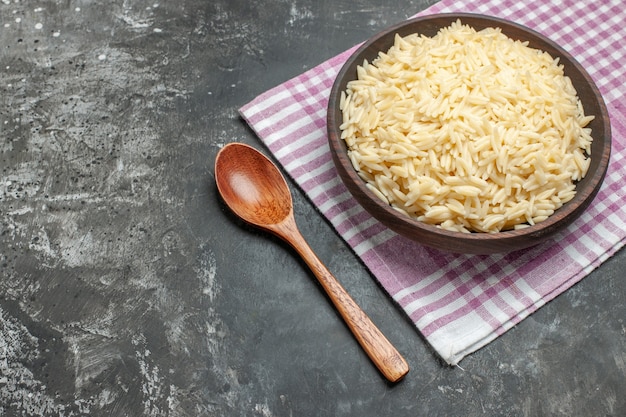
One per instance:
(253, 187)
(476, 243)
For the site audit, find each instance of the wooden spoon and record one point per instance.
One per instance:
(253, 187)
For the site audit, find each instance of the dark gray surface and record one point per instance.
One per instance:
(128, 289)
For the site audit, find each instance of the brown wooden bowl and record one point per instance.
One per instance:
(477, 243)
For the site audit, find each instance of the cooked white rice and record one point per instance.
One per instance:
(468, 130)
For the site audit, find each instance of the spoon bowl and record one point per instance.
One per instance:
(252, 186)
(255, 190)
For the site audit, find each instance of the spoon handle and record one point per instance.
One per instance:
(384, 355)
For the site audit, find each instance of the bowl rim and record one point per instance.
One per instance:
(492, 242)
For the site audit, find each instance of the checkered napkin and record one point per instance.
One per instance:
(462, 302)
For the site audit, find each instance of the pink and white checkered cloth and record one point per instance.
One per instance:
(462, 302)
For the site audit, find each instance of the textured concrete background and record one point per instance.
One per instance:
(128, 289)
